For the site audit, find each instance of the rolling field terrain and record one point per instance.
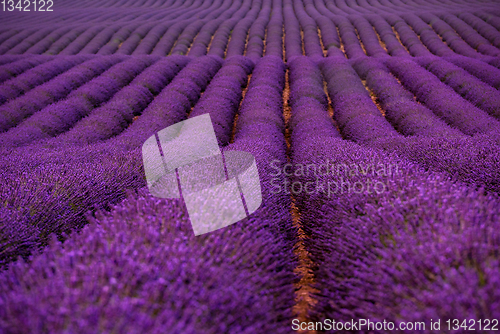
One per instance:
(375, 126)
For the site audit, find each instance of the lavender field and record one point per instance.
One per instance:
(396, 101)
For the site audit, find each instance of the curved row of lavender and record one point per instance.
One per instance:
(237, 279)
(389, 240)
(400, 97)
(226, 28)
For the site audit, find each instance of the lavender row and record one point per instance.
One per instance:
(16, 240)
(166, 43)
(172, 105)
(495, 61)
(8, 33)
(60, 116)
(479, 69)
(274, 40)
(78, 43)
(64, 41)
(238, 37)
(355, 113)
(328, 31)
(115, 115)
(6, 59)
(429, 38)
(200, 44)
(219, 40)
(52, 91)
(13, 69)
(210, 23)
(472, 89)
(398, 244)
(349, 37)
(368, 37)
(327, 7)
(409, 38)
(38, 47)
(28, 42)
(406, 115)
(118, 38)
(312, 45)
(192, 31)
(486, 30)
(449, 35)
(61, 189)
(257, 32)
(342, 7)
(489, 19)
(292, 31)
(149, 41)
(30, 79)
(261, 112)
(100, 39)
(456, 156)
(388, 37)
(178, 32)
(309, 105)
(374, 228)
(237, 279)
(223, 95)
(49, 192)
(474, 39)
(441, 99)
(15, 40)
(260, 130)
(273, 224)
(130, 44)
